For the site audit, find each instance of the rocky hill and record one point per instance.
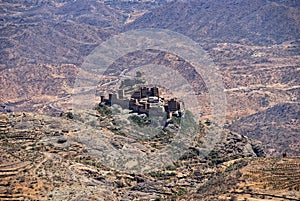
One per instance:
(48, 158)
(53, 32)
(276, 126)
(252, 22)
(60, 32)
(36, 147)
(34, 87)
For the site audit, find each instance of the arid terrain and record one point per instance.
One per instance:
(51, 152)
(47, 158)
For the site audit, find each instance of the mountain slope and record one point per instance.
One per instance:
(277, 127)
(255, 22)
(53, 32)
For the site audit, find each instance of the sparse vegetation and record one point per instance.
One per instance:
(176, 120)
(162, 175)
(44, 48)
(140, 120)
(70, 115)
(104, 110)
(189, 173)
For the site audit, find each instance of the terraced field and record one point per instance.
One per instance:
(275, 174)
(270, 179)
(18, 179)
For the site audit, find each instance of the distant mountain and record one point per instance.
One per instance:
(277, 127)
(252, 22)
(53, 32)
(129, 6)
(61, 31)
(66, 31)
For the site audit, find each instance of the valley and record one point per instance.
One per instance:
(52, 149)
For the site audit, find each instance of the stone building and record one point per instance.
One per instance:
(145, 101)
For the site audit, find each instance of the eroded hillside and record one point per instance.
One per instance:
(48, 158)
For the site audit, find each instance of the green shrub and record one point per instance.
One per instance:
(140, 120)
(70, 115)
(104, 110)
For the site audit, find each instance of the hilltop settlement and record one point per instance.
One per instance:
(145, 100)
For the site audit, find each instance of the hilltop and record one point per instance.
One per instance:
(53, 158)
(50, 156)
